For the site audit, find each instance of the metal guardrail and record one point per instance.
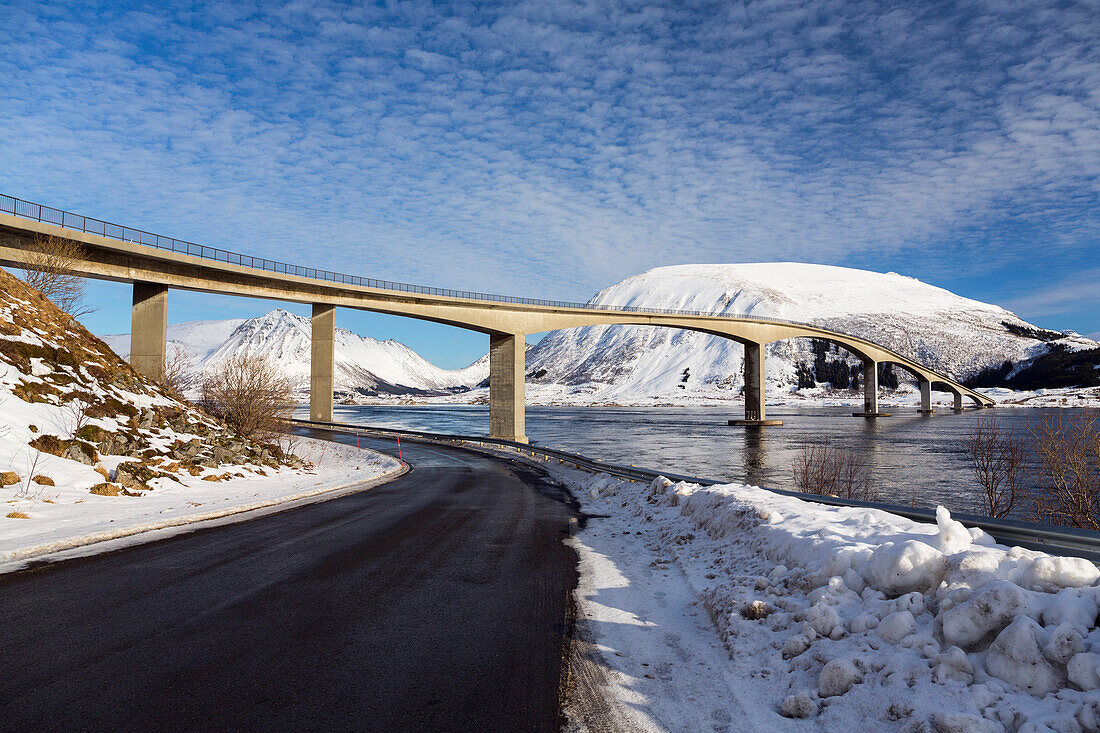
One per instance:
(78, 222)
(1054, 540)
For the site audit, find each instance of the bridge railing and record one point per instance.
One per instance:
(80, 223)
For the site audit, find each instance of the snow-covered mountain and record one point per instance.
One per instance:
(952, 334)
(363, 365)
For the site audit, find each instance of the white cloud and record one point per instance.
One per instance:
(550, 148)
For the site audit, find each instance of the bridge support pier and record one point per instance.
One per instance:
(754, 389)
(958, 406)
(506, 389)
(149, 329)
(322, 362)
(926, 397)
(870, 391)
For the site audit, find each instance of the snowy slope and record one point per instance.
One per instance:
(952, 334)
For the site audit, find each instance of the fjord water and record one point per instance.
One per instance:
(915, 459)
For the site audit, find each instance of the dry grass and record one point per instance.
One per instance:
(826, 469)
(50, 272)
(17, 515)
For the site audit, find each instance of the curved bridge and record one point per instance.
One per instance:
(154, 264)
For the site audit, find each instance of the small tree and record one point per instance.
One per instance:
(1067, 449)
(826, 469)
(49, 270)
(997, 458)
(249, 395)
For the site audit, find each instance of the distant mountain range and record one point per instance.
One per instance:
(364, 365)
(964, 338)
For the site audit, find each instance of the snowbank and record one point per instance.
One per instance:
(858, 619)
(67, 516)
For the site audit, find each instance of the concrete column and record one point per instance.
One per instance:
(149, 329)
(870, 387)
(958, 401)
(926, 396)
(506, 394)
(754, 382)
(322, 362)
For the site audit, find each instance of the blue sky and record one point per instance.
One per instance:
(552, 148)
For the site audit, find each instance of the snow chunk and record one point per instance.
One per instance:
(992, 607)
(1014, 657)
(837, 677)
(900, 567)
(1047, 573)
(896, 627)
(953, 536)
(798, 706)
(1084, 670)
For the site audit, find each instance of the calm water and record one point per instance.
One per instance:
(914, 458)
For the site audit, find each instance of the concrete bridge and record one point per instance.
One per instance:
(154, 264)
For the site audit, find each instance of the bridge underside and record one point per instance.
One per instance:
(506, 321)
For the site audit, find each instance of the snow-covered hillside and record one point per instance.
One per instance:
(364, 365)
(952, 334)
(91, 450)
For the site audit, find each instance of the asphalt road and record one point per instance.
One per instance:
(438, 601)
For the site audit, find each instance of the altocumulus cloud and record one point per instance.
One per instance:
(551, 147)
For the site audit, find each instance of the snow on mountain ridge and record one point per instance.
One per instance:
(362, 363)
(952, 334)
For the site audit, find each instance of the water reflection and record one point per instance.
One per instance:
(914, 458)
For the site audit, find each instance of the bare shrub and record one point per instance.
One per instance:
(1067, 451)
(248, 394)
(76, 411)
(997, 458)
(176, 364)
(826, 469)
(49, 270)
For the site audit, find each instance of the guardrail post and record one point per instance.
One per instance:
(322, 362)
(149, 329)
(506, 393)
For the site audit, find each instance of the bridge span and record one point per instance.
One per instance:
(154, 264)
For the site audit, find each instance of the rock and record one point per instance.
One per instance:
(42, 480)
(212, 477)
(134, 475)
(221, 455)
(82, 452)
(9, 478)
